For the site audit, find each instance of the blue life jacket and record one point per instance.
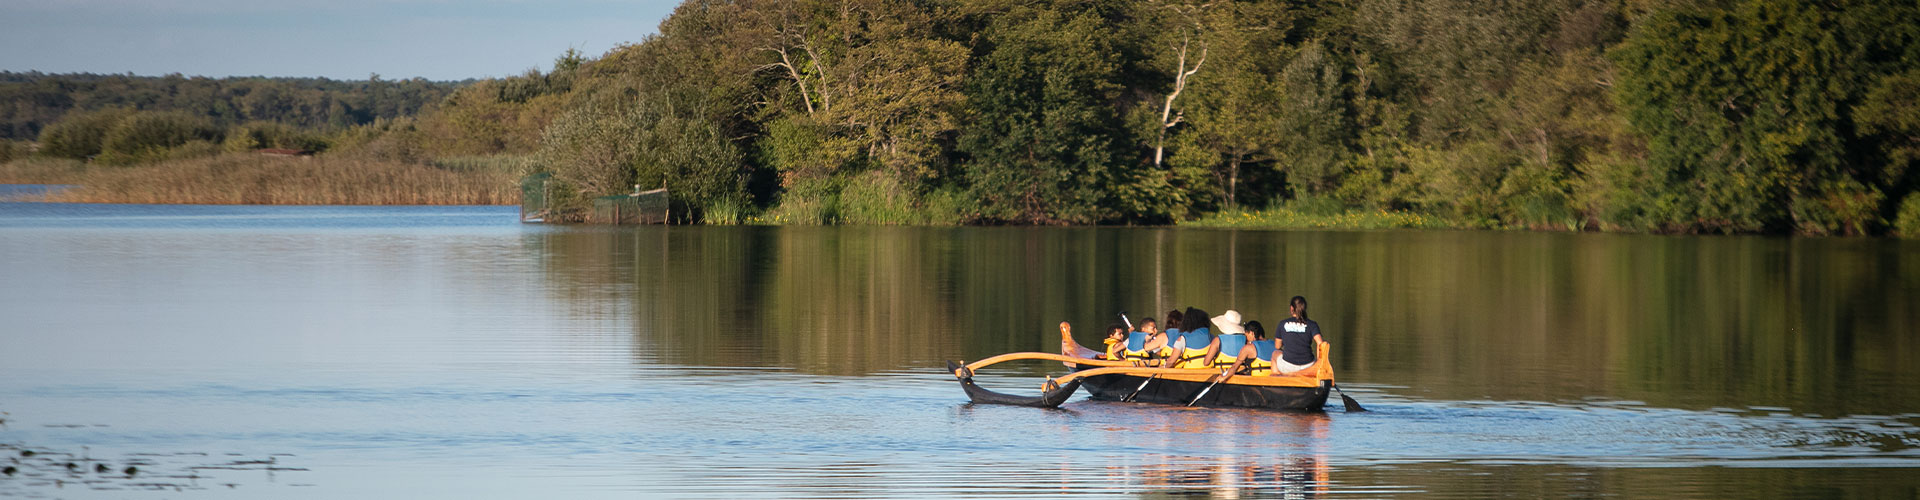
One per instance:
(1263, 349)
(1172, 335)
(1230, 343)
(1199, 338)
(1136, 341)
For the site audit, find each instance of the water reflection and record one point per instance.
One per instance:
(1294, 464)
(451, 352)
(1815, 325)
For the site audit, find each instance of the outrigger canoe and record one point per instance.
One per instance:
(1116, 380)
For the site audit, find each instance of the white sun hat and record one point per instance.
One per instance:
(1228, 323)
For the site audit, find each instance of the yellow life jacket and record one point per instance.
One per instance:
(1230, 345)
(1259, 367)
(1146, 355)
(1194, 358)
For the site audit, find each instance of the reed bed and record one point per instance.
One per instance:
(250, 179)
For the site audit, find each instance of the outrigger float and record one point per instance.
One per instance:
(1119, 380)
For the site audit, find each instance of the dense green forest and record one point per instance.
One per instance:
(1739, 116)
(1762, 116)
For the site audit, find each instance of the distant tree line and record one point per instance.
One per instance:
(31, 101)
(124, 119)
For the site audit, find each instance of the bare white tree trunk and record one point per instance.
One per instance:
(787, 37)
(1181, 75)
(786, 62)
(813, 58)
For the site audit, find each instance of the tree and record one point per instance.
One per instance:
(1746, 109)
(867, 75)
(651, 143)
(80, 135)
(1236, 121)
(146, 135)
(1188, 26)
(1042, 138)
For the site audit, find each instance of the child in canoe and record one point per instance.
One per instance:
(1116, 342)
(1147, 346)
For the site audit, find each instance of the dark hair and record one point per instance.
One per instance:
(1200, 318)
(1258, 332)
(1300, 303)
(1173, 320)
(1148, 321)
(1116, 327)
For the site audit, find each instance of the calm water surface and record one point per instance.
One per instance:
(290, 352)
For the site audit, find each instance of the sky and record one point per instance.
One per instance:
(339, 39)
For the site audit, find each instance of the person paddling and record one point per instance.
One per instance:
(1146, 346)
(1230, 340)
(1159, 347)
(1257, 357)
(1196, 340)
(1176, 343)
(1298, 336)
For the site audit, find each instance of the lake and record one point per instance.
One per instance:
(452, 352)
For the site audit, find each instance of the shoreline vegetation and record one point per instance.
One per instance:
(249, 179)
(1715, 117)
(1290, 218)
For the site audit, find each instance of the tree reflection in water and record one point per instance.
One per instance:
(1682, 322)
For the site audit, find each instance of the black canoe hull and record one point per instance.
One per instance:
(1114, 387)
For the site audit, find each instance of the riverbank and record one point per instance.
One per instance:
(1292, 218)
(252, 179)
(357, 179)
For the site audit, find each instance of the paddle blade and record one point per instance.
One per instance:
(1352, 406)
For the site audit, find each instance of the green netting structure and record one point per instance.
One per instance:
(648, 207)
(533, 197)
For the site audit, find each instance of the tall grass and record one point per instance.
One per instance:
(866, 199)
(244, 178)
(1314, 218)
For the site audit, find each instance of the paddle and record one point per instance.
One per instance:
(1352, 406)
(1143, 383)
(1216, 381)
(1136, 390)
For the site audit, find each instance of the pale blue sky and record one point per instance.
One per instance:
(341, 39)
